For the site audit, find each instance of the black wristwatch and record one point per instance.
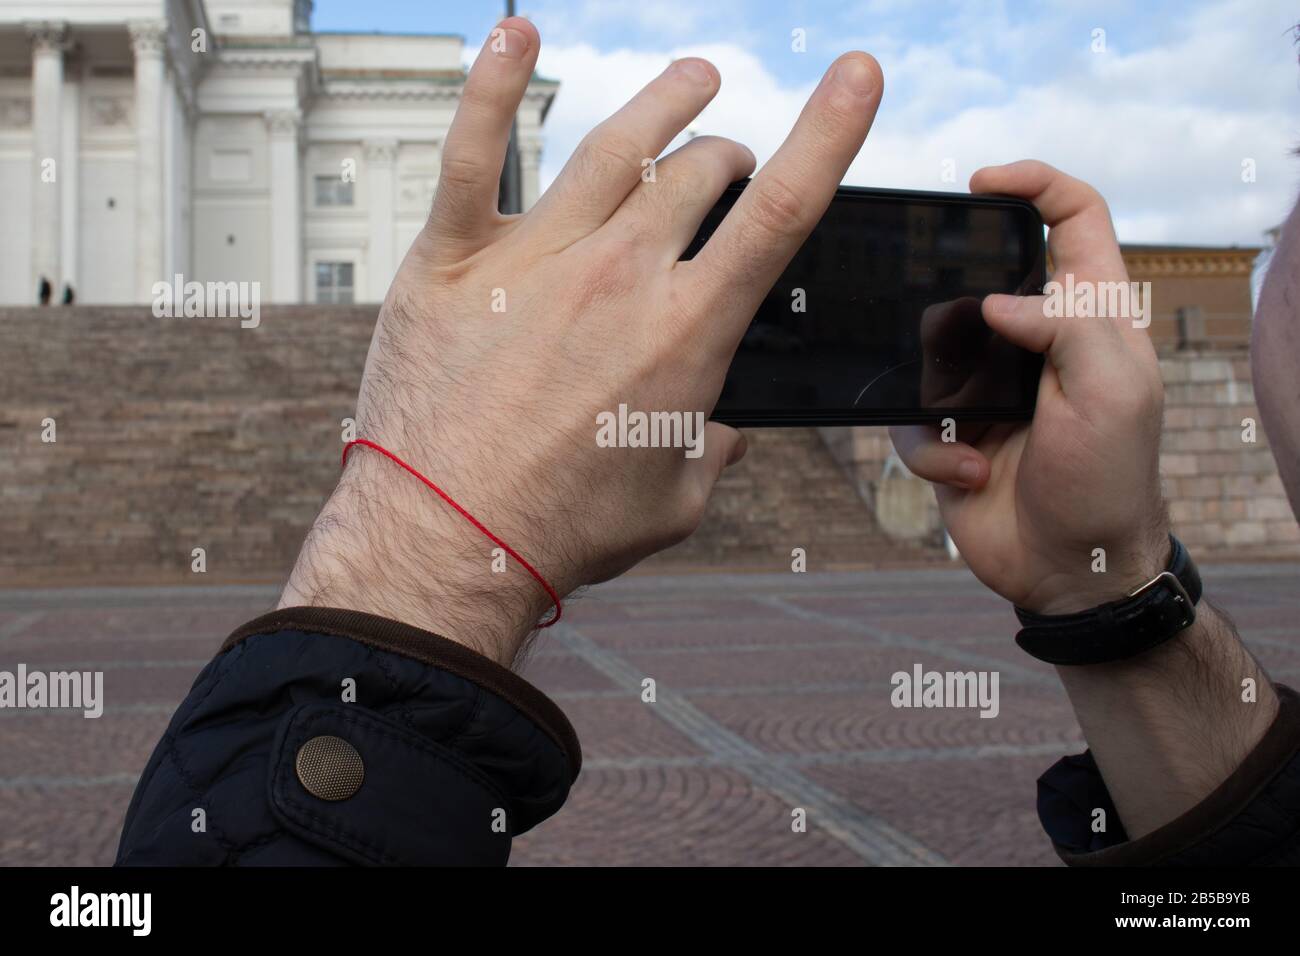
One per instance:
(1160, 609)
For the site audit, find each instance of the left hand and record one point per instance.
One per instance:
(1027, 504)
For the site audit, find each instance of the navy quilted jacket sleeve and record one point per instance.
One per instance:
(1252, 819)
(329, 737)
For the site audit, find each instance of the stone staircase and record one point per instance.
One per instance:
(788, 492)
(174, 434)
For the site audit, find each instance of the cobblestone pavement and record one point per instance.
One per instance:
(772, 693)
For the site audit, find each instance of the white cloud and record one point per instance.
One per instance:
(751, 107)
(1161, 131)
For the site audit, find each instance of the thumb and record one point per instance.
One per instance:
(723, 447)
(1021, 320)
(1076, 346)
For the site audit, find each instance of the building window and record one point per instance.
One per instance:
(333, 191)
(334, 282)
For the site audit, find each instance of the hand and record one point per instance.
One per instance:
(503, 337)
(1028, 503)
(963, 360)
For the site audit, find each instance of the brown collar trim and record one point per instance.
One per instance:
(429, 648)
(1273, 752)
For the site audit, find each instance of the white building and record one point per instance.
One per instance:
(222, 140)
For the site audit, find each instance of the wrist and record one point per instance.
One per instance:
(386, 545)
(1094, 580)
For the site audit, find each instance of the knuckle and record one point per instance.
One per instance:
(606, 153)
(690, 515)
(609, 271)
(459, 171)
(720, 151)
(1090, 197)
(1080, 196)
(1037, 171)
(775, 207)
(477, 98)
(673, 193)
(710, 141)
(1036, 167)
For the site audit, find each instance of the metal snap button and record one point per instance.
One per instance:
(329, 768)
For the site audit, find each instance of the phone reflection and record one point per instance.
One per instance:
(878, 316)
(949, 359)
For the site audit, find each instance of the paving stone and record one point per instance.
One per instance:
(773, 694)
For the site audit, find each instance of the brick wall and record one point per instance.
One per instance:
(1200, 296)
(1225, 497)
(787, 492)
(172, 434)
(175, 434)
(1224, 492)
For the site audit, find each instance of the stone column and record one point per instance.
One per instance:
(283, 127)
(530, 165)
(381, 156)
(148, 41)
(70, 176)
(181, 197)
(49, 40)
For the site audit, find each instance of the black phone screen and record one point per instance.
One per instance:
(877, 318)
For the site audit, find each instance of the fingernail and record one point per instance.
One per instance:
(694, 70)
(968, 472)
(508, 42)
(853, 74)
(1000, 304)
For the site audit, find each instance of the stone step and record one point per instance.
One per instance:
(175, 434)
(787, 492)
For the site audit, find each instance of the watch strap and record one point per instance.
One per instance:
(1146, 618)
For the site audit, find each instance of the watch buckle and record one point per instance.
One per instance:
(1166, 577)
(1169, 579)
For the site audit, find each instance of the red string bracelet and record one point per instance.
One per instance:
(468, 517)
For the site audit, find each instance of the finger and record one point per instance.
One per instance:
(1080, 235)
(956, 344)
(472, 157)
(724, 446)
(1082, 241)
(952, 331)
(779, 208)
(1075, 346)
(1022, 320)
(668, 211)
(612, 159)
(947, 463)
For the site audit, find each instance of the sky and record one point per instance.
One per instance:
(1183, 113)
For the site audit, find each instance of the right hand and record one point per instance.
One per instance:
(499, 406)
(1027, 504)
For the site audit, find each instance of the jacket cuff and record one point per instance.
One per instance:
(1245, 820)
(429, 648)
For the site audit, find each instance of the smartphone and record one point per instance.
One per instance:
(877, 321)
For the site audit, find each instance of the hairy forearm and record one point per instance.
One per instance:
(386, 545)
(1167, 727)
